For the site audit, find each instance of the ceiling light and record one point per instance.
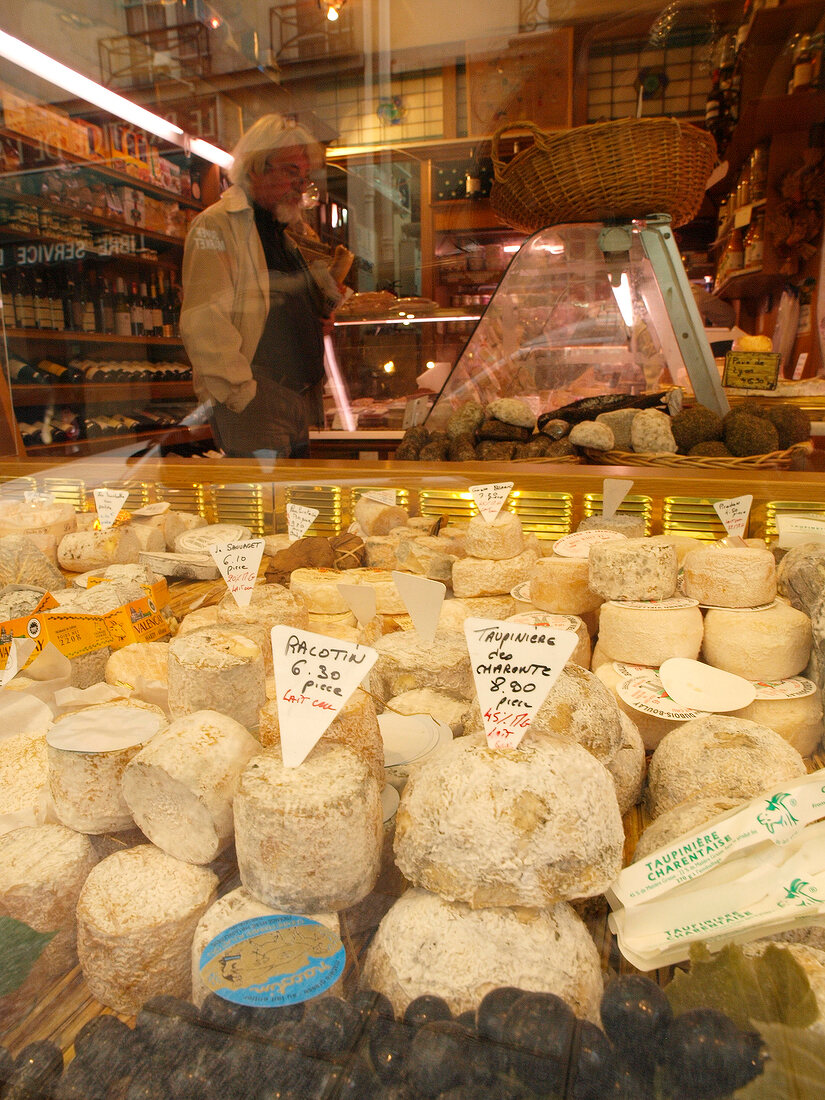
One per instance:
(71, 81)
(331, 8)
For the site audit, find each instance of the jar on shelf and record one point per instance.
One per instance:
(754, 242)
(802, 76)
(758, 172)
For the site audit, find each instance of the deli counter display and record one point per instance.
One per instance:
(362, 779)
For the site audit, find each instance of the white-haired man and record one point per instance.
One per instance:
(253, 311)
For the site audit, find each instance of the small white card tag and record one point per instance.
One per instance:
(238, 563)
(314, 676)
(734, 513)
(796, 530)
(579, 544)
(19, 652)
(701, 687)
(383, 496)
(514, 667)
(299, 519)
(156, 509)
(423, 599)
(108, 503)
(361, 600)
(490, 498)
(34, 496)
(614, 490)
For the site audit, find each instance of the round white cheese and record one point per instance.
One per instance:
(634, 569)
(681, 819)
(760, 645)
(561, 585)
(269, 605)
(217, 669)
(730, 576)
(795, 716)
(80, 551)
(376, 518)
(406, 662)
(649, 635)
(627, 766)
(500, 539)
(202, 539)
(492, 576)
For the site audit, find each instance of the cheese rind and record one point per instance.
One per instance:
(627, 766)
(308, 838)
(718, 756)
(426, 944)
(377, 518)
(500, 539)
(406, 662)
(80, 551)
(799, 721)
(562, 585)
(455, 611)
(217, 668)
(180, 787)
(525, 827)
(136, 917)
(24, 781)
(683, 818)
(474, 577)
(773, 644)
(651, 727)
(730, 576)
(646, 636)
(632, 570)
(269, 605)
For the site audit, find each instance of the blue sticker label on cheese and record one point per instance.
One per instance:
(272, 961)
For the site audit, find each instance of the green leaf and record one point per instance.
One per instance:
(773, 988)
(796, 1069)
(20, 948)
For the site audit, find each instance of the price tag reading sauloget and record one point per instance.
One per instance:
(734, 513)
(299, 519)
(490, 498)
(108, 503)
(514, 667)
(238, 563)
(314, 677)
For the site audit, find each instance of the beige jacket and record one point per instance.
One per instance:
(225, 299)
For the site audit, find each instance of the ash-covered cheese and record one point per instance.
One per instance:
(627, 765)
(649, 635)
(406, 662)
(438, 704)
(81, 551)
(626, 523)
(355, 725)
(380, 550)
(492, 576)
(231, 909)
(455, 611)
(721, 756)
(797, 718)
(525, 827)
(633, 569)
(309, 838)
(428, 945)
(502, 538)
(562, 585)
(270, 605)
(738, 576)
(217, 669)
(376, 518)
(86, 765)
(180, 787)
(760, 645)
(138, 665)
(685, 817)
(427, 556)
(136, 917)
(42, 870)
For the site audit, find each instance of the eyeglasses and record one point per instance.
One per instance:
(295, 173)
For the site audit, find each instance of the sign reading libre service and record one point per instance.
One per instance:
(514, 667)
(314, 675)
(238, 563)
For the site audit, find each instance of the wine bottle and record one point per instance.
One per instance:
(157, 312)
(59, 372)
(169, 312)
(22, 372)
(42, 305)
(123, 319)
(107, 308)
(55, 302)
(136, 311)
(146, 305)
(17, 299)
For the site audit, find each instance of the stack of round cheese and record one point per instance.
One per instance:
(497, 557)
(269, 605)
(217, 669)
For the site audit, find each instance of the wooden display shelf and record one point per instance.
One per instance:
(102, 169)
(12, 235)
(78, 448)
(70, 335)
(92, 393)
(751, 284)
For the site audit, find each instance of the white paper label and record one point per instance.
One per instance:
(734, 513)
(34, 496)
(362, 601)
(109, 503)
(614, 490)
(521, 592)
(514, 668)
(796, 530)
(675, 603)
(800, 366)
(548, 619)
(795, 687)
(423, 599)
(647, 694)
(314, 675)
(19, 652)
(579, 544)
(153, 509)
(490, 498)
(238, 563)
(299, 519)
(701, 687)
(383, 496)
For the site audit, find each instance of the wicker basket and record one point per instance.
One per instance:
(626, 169)
(791, 458)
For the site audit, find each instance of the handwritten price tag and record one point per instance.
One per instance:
(314, 677)
(299, 519)
(490, 498)
(423, 599)
(383, 496)
(108, 503)
(34, 496)
(734, 513)
(614, 490)
(238, 563)
(514, 667)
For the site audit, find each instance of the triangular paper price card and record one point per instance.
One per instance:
(734, 513)
(238, 563)
(514, 666)
(383, 496)
(108, 503)
(36, 496)
(361, 600)
(423, 599)
(299, 519)
(614, 490)
(490, 498)
(314, 677)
